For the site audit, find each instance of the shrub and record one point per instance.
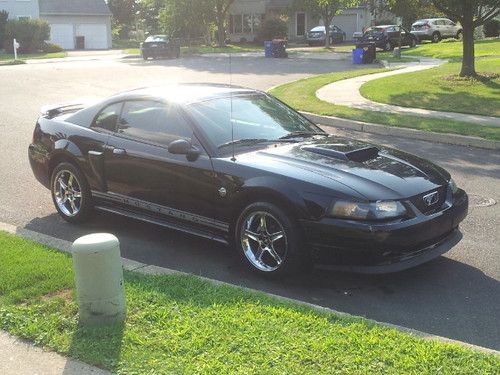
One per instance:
(491, 28)
(272, 28)
(4, 15)
(51, 48)
(30, 34)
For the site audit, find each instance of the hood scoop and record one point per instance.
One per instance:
(359, 155)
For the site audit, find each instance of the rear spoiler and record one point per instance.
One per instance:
(52, 111)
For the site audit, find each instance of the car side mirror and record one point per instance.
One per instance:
(184, 147)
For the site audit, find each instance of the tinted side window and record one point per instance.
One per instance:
(153, 121)
(108, 117)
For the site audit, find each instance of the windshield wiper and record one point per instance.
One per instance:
(245, 141)
(302, 134)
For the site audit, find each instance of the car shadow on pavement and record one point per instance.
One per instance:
(444, 297)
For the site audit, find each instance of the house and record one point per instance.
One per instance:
(74, 24)
(246, 16)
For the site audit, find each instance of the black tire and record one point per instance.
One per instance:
(459, 35)
(288, 248)
(436, 37)
(84, 202)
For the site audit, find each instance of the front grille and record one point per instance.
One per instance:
(422, 206)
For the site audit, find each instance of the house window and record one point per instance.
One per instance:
(238, 23)
(300, 24)
(23, 18)
(245, 23)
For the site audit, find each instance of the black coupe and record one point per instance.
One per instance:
(238, 166)
(157, 46)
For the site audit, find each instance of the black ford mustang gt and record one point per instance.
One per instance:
(238, 166)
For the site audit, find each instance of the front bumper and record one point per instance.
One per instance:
(385, 247)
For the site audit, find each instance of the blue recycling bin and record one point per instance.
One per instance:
(357, 56)
(268, 48)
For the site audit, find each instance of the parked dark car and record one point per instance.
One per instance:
(238, 166)
(387, 37)
(317, 35)
(157, 46)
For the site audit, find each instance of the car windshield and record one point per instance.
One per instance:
(318, 28)
(255, 117)
(156, 38)
(374, 31)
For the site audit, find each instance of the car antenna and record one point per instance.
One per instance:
(233, 158)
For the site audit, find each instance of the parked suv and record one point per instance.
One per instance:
(387, 36)
(317, 35)
(436, 29)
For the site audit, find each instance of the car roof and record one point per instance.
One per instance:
(183, 93)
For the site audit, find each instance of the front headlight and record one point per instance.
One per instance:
(367, 211)
(453, 186)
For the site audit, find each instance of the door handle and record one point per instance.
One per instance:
(119, 151)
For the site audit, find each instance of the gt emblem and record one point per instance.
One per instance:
(222, 192)
(431, 198)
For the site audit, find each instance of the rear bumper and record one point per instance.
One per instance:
(422, 35)
(385, 247)
(39, 165)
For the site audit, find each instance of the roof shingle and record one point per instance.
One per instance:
(80, 7)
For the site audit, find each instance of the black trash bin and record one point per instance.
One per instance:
(369, 52)
(279, 48)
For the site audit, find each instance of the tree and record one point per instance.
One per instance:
(148, 11)
(324, 9)
(124, 12)
(4, 16)
(470, 14)
(188, 19)
(221, 9)
(408, 10)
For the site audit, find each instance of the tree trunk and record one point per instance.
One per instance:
(468, 63)
(221, 33)
(327, 19)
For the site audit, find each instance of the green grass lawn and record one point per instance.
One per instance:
(436, 89)
(451, 49)
(10, 56)
(301, 95)
(182, 324)
(201, 50)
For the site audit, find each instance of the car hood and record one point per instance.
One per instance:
(374, 172)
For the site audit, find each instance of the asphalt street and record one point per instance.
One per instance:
(456, 296)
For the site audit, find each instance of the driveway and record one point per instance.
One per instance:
(456, 296)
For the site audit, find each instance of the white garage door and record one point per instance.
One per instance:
(62, 35)
(347, 22)
(95, 35)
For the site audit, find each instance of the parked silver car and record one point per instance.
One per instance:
(436, 29)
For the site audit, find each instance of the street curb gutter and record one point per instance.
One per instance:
(451, 139)
(132, 265)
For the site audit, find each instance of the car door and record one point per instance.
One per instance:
(143, 174)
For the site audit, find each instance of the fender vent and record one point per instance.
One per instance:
(360, 155)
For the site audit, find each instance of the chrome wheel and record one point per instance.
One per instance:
(67, 193)
(264, 241)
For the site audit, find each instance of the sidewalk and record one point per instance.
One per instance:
(346, 92)
(20, 358)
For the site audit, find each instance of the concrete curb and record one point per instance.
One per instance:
(451, 139)
(132, 265)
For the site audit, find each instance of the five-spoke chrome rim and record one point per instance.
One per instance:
(264, 241)
(67, 193)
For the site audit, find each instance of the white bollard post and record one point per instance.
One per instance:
(15, 44)
(99, 279)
